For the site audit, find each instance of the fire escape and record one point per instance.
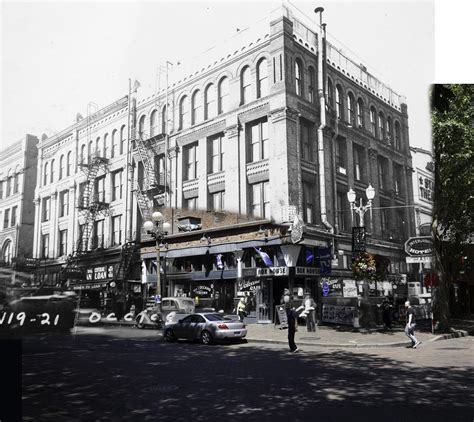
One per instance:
(150, 190)
(91, 204)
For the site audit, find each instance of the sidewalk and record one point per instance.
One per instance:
(333, 336)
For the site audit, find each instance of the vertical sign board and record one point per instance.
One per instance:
(358, 240)
(280, 311)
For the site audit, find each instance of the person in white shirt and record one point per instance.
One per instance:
(310, 311)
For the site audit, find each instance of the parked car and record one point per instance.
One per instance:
(207, 327)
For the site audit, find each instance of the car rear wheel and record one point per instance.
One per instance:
(206, 337)
(169, 336)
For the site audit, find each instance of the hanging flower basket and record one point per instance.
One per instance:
(364, 267)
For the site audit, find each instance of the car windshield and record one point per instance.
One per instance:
(214, 317)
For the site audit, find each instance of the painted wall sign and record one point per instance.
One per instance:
(419, 246)
(307, 271)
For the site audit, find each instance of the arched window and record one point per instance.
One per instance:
(51, 180)
(9, 183)
(61, 167)
(45, 174)
(381, 126)
(16, 182)
(262, 78)
(299, 77)
(123, 139)
(184, 112)
(69, 162)
(164, 119)
(106, 145)
(360, 113)
(83, 154)
(141, 127)
(311, 84)
(90, 149)
(350, 109)
(153, 123)
(210, 102)
(330, 94)
(389, 129)
(223, 89)
(339, 103)
(398, 138)
(114, 149)
(196, 107)
(7, 251)
(373, 123)
(245, 85)
(97, 147)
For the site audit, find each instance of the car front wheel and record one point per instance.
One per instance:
(206, 337)
(169, 336)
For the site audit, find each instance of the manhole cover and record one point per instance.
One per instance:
(160, 389)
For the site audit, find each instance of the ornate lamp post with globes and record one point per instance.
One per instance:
(158, 229)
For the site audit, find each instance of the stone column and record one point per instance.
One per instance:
(372, 172)
(202, 174)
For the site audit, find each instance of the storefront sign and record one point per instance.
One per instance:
(202, 291)
(349, 288)
(419, 246)
(103, 272)
(272, 271)
(89, 286)
(426, 188)
(418, 259)
(307, 271)
(331, 287)
(248, 285)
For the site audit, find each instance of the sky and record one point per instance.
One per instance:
(57, 57)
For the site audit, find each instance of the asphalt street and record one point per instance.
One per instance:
(125, 374)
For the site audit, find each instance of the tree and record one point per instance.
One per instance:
(453, 224)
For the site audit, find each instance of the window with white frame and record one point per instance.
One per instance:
(14, 216)
(190, 161)
(216, 153)
(381, 126)
(330, 94)
(6, 219)
(61, 167)
(373, 123)
(69, 163)
(106, 145)
(98, 241)
(196, 107)
(257, 140)
(311, 84)
(63, 203)
(350, 109)
(116, 230)
(154, 123)
(343, 211)
(51, 180)
(359, 163)
(262, 78)
(223, 94)
(62, 242)
(217, 201)
(16, 183)
(210, 110)
(360, 113)
(117, 185)
(299, 77)
(306, 140)
(190, 204)
(260, 200)
(100, 189)
(341, 155)
(245, 85)
(123, 140)
(160, 168)
(339, 103)
(46, 209)
(45, 246)
(45, 177)
(184, 119)
(308, 202)
(398, 143)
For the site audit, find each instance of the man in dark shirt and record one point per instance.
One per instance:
(292, 327)
(410, 327)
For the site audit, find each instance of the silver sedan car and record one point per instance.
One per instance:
(207, 327)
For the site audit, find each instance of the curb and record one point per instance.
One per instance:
(345, 345)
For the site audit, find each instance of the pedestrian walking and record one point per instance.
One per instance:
(292, 327)
(411, 324)
(241, 312)
(310, 311)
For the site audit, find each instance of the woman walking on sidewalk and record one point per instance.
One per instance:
(410, 327)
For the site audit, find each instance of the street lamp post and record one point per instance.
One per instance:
(158, 229)
(361, 209)
(358, 232)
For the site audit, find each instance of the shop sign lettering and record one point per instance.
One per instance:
(426, 188)
(202, 291)
(272, 271)
(249, 285)
(419, 246)
(103, 272)
(307, 271)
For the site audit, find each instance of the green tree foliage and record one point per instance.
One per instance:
(453, 222)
